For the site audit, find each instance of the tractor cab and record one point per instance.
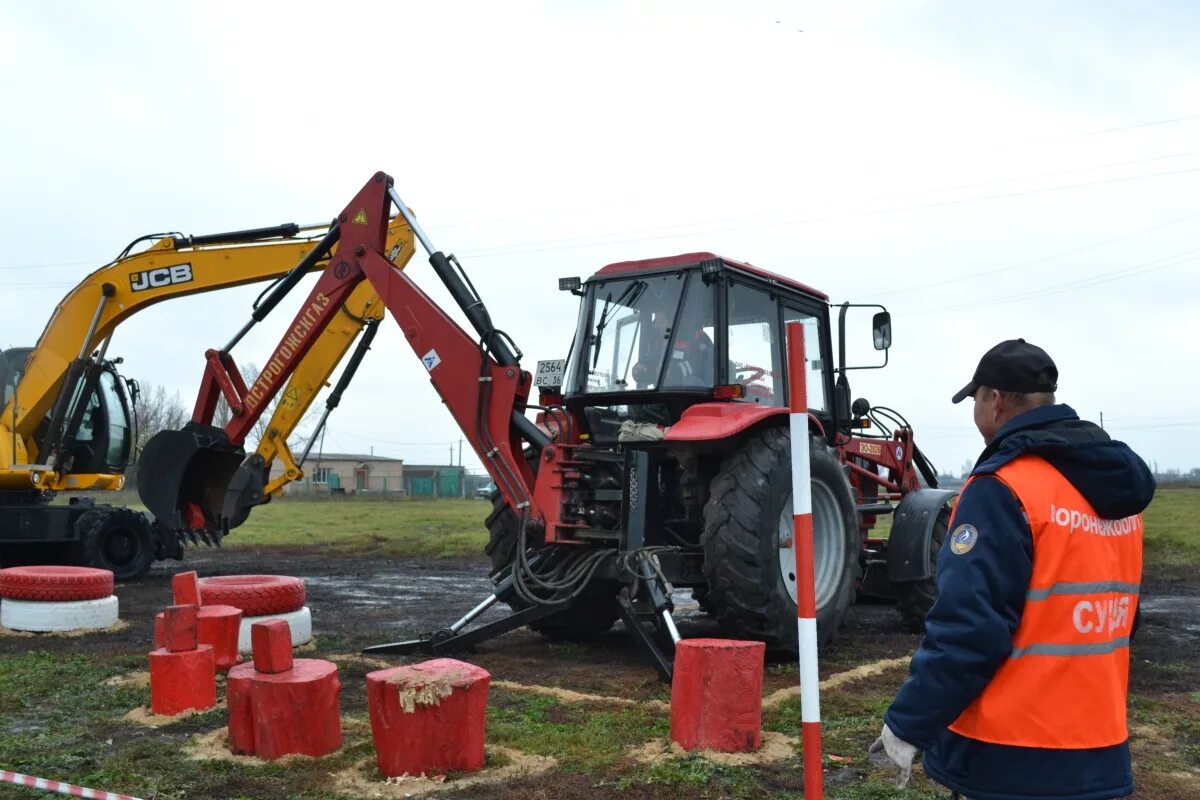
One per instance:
(656, 337)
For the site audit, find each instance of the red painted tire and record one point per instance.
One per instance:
(255, 595)
(54, 583)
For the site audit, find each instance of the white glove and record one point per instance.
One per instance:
(898, 751)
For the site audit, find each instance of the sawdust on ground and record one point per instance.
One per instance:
(775, 747)
(833, 681)
(138, 679)
(144, 717)
(569, 696)
(214, 745)
(363, 779)
(354, 659)
(119, 625)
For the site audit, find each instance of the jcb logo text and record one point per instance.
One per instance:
(163, 276)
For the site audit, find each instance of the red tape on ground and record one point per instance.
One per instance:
(71, 789)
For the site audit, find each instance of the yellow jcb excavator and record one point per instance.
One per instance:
(68, 420)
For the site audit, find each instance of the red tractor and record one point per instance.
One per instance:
(659, 457)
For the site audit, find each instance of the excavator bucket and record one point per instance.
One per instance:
(183, 476)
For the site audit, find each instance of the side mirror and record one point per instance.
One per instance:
(881, 330)
(569, 285)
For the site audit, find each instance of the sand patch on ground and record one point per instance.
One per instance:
(214, 746)
(836, 680)
(363, 780)
(143, 716)
(775, 747)
(354, 659)
(569, 696)
(139, 679)
(119, 625)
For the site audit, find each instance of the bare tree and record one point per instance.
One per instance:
(156, 410)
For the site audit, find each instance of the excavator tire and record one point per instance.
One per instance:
(749, 508)
(116, 539)
(590, 616)
(915, 598)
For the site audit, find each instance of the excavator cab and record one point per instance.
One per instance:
(96, 430)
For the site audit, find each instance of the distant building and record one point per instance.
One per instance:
(348, 473)
(433, 480)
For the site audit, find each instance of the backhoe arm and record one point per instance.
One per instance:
(478, 377)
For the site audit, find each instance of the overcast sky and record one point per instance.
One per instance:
(987, 170)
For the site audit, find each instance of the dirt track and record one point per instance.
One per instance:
(360, 601)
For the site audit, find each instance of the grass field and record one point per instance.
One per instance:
(61, 715)
(438, 528)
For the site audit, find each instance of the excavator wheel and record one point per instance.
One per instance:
(117, 539)
(748, 561)
(588, 617)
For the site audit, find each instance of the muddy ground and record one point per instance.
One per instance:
(361, 601)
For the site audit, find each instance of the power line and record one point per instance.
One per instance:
(1125, 128)
(1087, 282)
(481, 254)
(1043, 259)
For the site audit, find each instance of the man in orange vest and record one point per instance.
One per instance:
(1019, 687)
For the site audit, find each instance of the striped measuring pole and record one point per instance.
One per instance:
(59, 787)
(802, 542)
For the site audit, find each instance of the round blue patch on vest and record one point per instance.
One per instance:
(963, 539)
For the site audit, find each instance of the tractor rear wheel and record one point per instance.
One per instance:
(587, 617)
(749, 560)
(915, 598)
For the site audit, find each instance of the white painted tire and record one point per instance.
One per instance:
(300, 623)
(67, 615)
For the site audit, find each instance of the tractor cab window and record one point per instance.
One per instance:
(753, 342)
(629, 333)
(815, 376)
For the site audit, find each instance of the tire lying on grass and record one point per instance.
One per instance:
(255, 595)
(67, 615)
(52, 583)
(749, 562)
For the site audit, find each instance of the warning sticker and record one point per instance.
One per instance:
(361, 217)
(431, 360)
(291, 398)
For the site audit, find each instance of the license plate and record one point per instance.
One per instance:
(549, 374)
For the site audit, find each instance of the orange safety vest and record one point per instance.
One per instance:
(1064, 685)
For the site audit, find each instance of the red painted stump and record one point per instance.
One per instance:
(428, 717)
(238, 685)
(217, 626)
(296, 711)
(186, 588)
(716, 695)
(183, 673)
(183, 680)
(291, 709)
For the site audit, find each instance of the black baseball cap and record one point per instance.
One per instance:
(1014, 365)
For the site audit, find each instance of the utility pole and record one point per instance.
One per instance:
(1101, 420)
(460, 453)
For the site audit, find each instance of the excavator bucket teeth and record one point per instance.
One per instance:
(187, 471)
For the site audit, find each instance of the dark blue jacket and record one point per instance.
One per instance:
(981, 594)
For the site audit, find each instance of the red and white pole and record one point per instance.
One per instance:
(802, 543)
(58, 786)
